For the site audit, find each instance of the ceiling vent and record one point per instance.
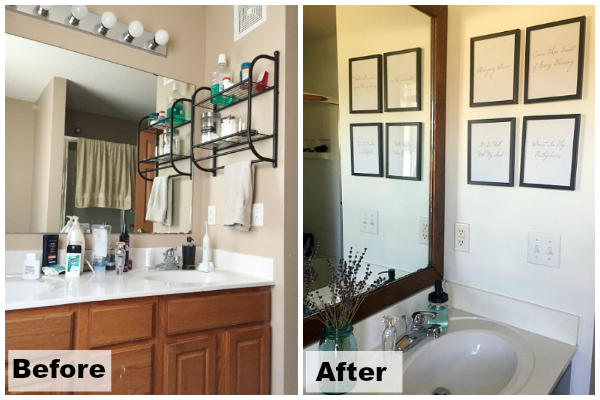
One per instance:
(247, 18)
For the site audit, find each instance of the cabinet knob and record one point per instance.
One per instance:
(140, 230)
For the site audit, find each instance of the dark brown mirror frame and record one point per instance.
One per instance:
(387, 295)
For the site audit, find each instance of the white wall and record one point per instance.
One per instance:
(501, 217)
(368, 30)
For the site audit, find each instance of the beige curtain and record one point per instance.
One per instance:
(105, 174)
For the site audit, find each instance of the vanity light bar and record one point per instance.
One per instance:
(92, 23)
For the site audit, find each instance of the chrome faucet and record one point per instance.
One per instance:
(171, 261)
(417, 330)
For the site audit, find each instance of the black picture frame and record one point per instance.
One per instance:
(492, 75)
(410, 69)
(417, 144)
(546, 138)
(495, 155)
(554, 86)
(356, 74)
(358, 167)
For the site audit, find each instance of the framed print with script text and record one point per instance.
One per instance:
(365, 84)
(491, 156)
(366, 149)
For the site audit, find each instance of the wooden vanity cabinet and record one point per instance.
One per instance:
(198, 343)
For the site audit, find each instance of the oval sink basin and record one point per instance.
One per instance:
(476, 360)
(18, 287)
(188, 276)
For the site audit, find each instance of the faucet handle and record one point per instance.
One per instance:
(405, 323)
(419, 317)
(170, 252)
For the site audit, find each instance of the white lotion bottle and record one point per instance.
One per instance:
(32, 267)
(76, 238)
(206, 265)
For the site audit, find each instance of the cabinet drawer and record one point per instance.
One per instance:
(228, 308)
(38, 332)
(110, 324)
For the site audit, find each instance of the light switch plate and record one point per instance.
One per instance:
(369, 221)
(543, 249)
(423, 230)
(212, 215)
(257, 214)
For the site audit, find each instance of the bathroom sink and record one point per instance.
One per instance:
(188, 276)
(475, 356)
(18, 287)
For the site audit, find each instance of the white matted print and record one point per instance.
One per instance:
(402, 74)
(366, 149)
(495, 68)
(403, 143)
(491, 152)
(549, 151)
(554, 61)
(365, 84)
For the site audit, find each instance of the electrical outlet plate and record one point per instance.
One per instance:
(543, 249)
(257, 214)
(462, 237)
(423, 230)
(369, 221)
(212, 215)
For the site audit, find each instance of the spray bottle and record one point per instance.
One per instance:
(206, 265)
(75, 249)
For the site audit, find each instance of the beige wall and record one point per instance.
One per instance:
(18, 139)
(48, 148)
(276, 188)
(191, 57)
(320, 66)
(500, 218)
(363, 31)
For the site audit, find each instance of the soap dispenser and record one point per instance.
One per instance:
(388, 339)
(438, 302)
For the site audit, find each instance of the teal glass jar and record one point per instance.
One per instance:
(338, 339)
(337, 345)
(438, 303)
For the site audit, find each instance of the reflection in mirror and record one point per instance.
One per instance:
(71, 141)
(388, 217)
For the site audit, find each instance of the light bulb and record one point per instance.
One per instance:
(42, 11)
(136, 29)
(79, 12)
(109, 19)
(161, 37)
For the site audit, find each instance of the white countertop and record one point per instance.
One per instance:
(110, 286)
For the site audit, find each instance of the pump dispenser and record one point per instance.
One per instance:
(216, 86)
(68, 226)
(438, 302)
(75, 249)
(388, 339)
(189, 254)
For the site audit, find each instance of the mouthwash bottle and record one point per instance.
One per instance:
(438, 302)
(216, 85)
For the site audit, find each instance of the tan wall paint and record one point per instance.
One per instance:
(20, 123)
(274, 187)
(191, 58)
(47, 157)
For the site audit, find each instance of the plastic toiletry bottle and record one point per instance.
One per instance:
(68, 226)
(389, 337)
(438, 302)
(50, 252)
(244, 74)
(120, 258)
(189, 254)
(74, 260)
(75, 238)
(206, 246)
(32, 267)
(177, 111)
(124, 237)
(216, 85)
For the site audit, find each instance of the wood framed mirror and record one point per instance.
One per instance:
(387, 295)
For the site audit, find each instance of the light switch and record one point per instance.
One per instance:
(257, 215)
(543, 249)
(369, 221)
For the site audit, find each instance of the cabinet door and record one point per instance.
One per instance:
(247, 360)
(190, 366)
(132, 370)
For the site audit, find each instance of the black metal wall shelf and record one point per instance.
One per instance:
(165, 160)
(246, 90)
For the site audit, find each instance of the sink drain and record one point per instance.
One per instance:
(441, 390)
